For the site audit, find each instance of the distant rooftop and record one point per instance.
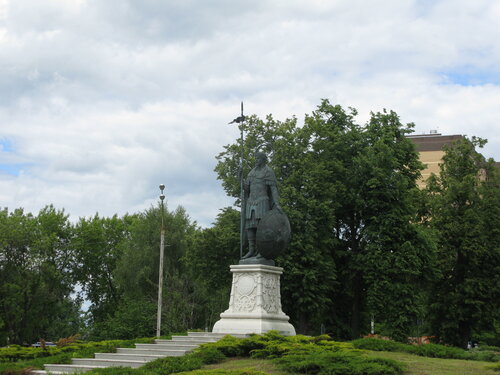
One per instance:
(433, 141)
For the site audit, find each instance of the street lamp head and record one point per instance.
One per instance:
(162, 187)
(162, 197)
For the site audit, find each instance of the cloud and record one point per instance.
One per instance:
(103, 101)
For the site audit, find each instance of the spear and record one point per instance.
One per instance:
(239, 120)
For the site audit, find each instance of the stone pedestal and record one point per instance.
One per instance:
(255, 304)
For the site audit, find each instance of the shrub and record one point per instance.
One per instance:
(209, 355)
(204, 355)
(230, 346)
(340, 363)
(170, 365)
(244, 371)
(379, 345)
(121, 371)
(488, 348)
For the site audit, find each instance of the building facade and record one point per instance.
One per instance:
(430, 149)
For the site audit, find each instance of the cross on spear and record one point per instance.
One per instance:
(239, 119)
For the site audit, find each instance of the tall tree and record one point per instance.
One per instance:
(350, 192)
(465, 213)
(207, 264)
(36, 276)
(135, 277)
(98, 245)
(310, 273)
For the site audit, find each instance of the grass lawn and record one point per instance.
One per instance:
(264, 365)
(416, 365)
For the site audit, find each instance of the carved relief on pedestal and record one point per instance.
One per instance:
(245, 292)
(271, 294)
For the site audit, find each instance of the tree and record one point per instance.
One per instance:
(98, 245)
(135, 277)
(350, 193)
(310, 273)
(36, 276)
(465, 214)
(207, 263)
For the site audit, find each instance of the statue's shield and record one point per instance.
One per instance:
(273, 234)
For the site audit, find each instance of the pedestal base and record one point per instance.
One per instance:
(255, 303)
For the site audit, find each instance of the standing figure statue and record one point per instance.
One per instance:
(267, 227)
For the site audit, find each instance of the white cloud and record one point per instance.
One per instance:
(102, 101)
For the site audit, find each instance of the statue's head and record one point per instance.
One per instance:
(260, 158)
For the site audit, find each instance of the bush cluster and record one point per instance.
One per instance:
(426, 350)
(80, 349)
(272, 345)
(15, 358)
(338, 363)
(201, 356)
(307, 355)
(297, 354)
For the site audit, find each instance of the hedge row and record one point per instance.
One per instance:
(297, 354)
(16, 358)
(426, 350)
(14, 353)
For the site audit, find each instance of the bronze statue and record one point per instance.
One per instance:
(267, 227)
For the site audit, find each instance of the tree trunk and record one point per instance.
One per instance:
(356, 306)
(303, 327)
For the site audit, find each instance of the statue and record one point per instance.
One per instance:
(267, 227)
(255, 300)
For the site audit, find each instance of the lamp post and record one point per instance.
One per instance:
(160, 277)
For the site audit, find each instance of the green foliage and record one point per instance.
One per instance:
(209, 355)
(426, 350)
(36, 279)
(17, 358)
(191, 361)
(79, 349)
(132, 317)
(207, 263)
(317, 354)
(170, 365)
(273, 345)
(338, 363)
(366, 244)
(98, 245)
(129, 282)
(232, 347)
(227, 372)
(243, 371)
(379, 345)
(351, 196)
(296, 354)
(464, 212)
(121, 371)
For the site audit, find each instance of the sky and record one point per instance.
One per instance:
(102, 101)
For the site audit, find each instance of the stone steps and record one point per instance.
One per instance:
(135, 357)
(129, 356)
(154, 351)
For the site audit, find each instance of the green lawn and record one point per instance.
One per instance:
(416, 365)
(435, 366)
(264, 365)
